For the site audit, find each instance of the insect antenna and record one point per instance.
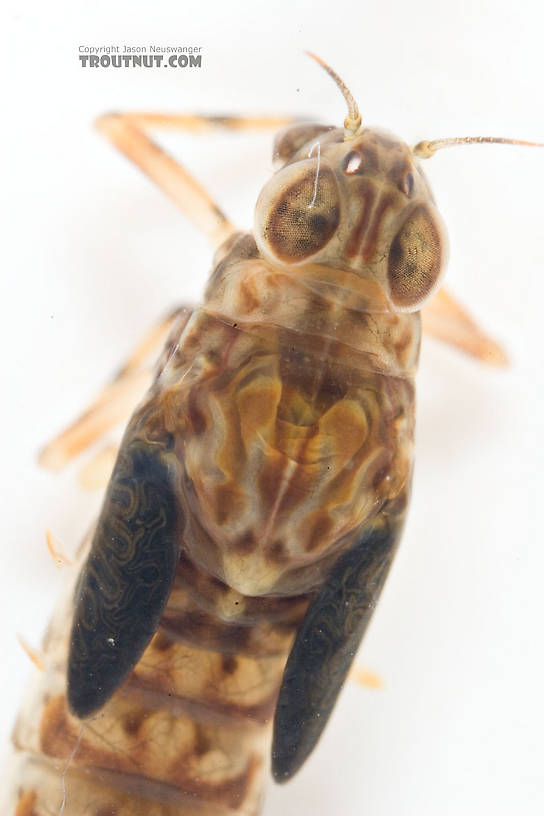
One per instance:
(352, 122)
(426, 149)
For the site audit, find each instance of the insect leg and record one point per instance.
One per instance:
(95, 474)
(35, 656)
(445, 318)
(116, 400)
(127, 131)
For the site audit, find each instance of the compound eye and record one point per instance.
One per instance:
(416, 260)
(298, 211)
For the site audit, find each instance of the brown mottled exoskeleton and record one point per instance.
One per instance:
(259, 493)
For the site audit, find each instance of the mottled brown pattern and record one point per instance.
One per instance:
(366, 197)
(223, 602)
(203, 630)
(374, 232)
(248, 691)
(114, 794)
(259, 392)
(280, 427)
(122, 739)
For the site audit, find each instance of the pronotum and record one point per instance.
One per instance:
(260, 490)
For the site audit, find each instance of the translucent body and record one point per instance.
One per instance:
(283, 414)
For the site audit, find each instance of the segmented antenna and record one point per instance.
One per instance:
(424, 150)
(352, 122)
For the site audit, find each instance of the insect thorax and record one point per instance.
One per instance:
(291, 400)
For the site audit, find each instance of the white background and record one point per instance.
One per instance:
(93, 254)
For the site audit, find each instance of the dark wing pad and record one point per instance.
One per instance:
(125, 584)
(326, 644)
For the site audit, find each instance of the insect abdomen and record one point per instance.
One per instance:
(188, 732)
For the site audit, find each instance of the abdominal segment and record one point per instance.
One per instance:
(189, 731)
